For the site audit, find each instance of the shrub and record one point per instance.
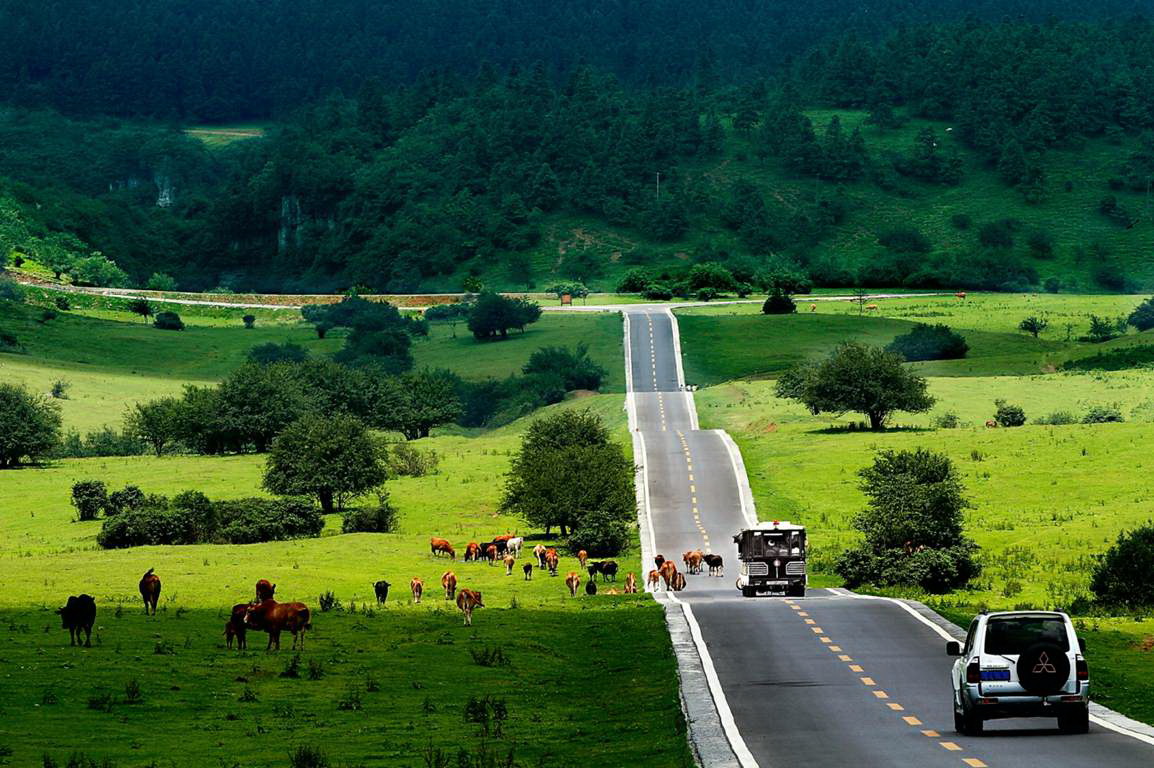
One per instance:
(29, 425)
(381, 518)
(1058, 419)
(62, 303)
(126, 499)
(252, 520)
(271, 352)
(308, 757)
(404, 460)
(633, 281)
(930, 342)
(1103, 414)
(657, 292)
(249, 321)
(1142, 317)
(1052, 285)
(9, 342)
(712, 275)
(1113, 360)
(905, 240)
(1122, 576)
(962, 221)
(947, 420)
(47, 316)
(1034, 325)
(159, 281)
(778, 303)
(328, 601)
(60, 389)
(1041, 244)
(706, 294)
(90, 497)
(10, 290)
(599, 534)
(168, 321)
(998, 234)
(1008, 415)
(575, 368)
(1103, 329)
(189, 518)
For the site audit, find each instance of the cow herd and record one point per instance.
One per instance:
(674, 580)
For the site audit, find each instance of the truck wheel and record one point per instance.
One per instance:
(974, 724)
(1075, 722)
(748, 592)
(797, 591)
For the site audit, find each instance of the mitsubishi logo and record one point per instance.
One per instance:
(1044, 666)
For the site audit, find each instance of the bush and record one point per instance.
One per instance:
(1041, 244)
(126, 499)
(9, 342)
(930, 342)
(657, 292)
(403, 460)
(998, 234)
(62, 303)
(10, 290)
(60, 389)
(1113, 360)
(249, 321)
(706, 294)
(48, 316)
(105, 441)
(1121, 577)
(190, 518)
(1142, 317)
(962, 221)
(1052, 285)
(947, 420)
(271, 352)
(1057, 419)
(575, 368)
(381, 518)
(168, 321)
(710, 274)
(253, 520)
(600, 534)
(1103, 329)
(905, 240)
(29, 425)
(1009, 415)
(308, 757)
(1103, 414)
(159, 281)
(778, 303)
(90, 497)
(634, 281)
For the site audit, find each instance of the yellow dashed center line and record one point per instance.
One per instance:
(950, 746)
(896, 707)
(855, 667)
(868, 681)
(881, 694)
(931, 734)
(911, 720)
(973, 762)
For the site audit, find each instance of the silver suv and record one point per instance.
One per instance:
(1021, 664)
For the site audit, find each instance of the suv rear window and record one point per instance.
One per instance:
(1011, 636)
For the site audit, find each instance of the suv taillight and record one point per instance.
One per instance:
(973, 672)
(1082, 668)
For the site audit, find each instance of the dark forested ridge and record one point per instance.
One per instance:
(997, 155)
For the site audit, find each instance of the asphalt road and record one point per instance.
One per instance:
(830, 679)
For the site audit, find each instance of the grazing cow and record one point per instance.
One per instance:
(658, 561)
(551, 561)
(150, 591)
(265, 590)
(381, 588)
(591, 588)
(539, 553)
(442, 546)
(716, 565)
(498, 545)
(527, 568)
(273, 617)
(78, 615)
(510, 561)
(593, 569)
(609, 570)
(631, 584)
(514, 545)
(991, 424)
(417, 587)
(491, 553)
(236, 628)
(813, 307)
(871, 307)
(693, 561)
(503, 537)
(472, 552)
(667, 570)
(960, 294)
(678, 582)
(582, 556)
(449, 584)
(653, 579)
(467, 600)
(572, 581)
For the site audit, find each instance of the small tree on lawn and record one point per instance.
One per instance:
(1034, 325)
(1121, 577)
(249, 321)
(29, 425)
(89, 497)
(1142, 317)
(414, 403)
(1008, 415)
(860, 378)
(155, 422)
(140, 307)
(329, 457)
(778, 303)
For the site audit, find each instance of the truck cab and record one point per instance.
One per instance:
(772, 559)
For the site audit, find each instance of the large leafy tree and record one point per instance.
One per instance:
(154, 422)
(1122, 576)
(858, 378)
(414, 403)
(493, 315)
(1142, 317)
(331, 458)
(29, 425)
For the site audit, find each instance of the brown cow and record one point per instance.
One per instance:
(667, 570)
(150, 591)
(539, 553)
(527, 568)
(472, 552)
(491, 553)
(654, 579)
(442, 545)
(510, 561)
(678, 582)
(630, 584)
(236, 628)
(503, 537)
(467, 600)
(551, 561)
(693, 561)
(813, 307)
(991, 424)
(658, 561)
(582, 556)
(418, 587)
(265, 590)
(449, 584)
(273, 617)
(573, 581)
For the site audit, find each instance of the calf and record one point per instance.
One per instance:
(551, 561)
(417, 587)
(442, 547)
(630, 584)
(678, 582)
(716, 565)
(78, 615)
(236, 628)
(449, 584)
(265, 590)
(527, 569)
(472, 552)
(539, 553)
(273, 617)
(467, 600)
(381, 588)
(693, 561)
(582, 556)
(591, 588)
(573, 581)
(653, 579)
(510, 561)
(150, 591)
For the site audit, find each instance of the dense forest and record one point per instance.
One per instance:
(657, 134)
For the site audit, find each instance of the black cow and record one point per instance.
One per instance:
(716, 565)
(382, 589)
(79, 614)
(609, 571)
(591, 587)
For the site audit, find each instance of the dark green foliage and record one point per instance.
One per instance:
(572, 288)
(1041, 244)
(930, 342)
(168, 321)
(1103, 329)
(379, 335)
(634, 281)
(105, 441)
(601, 534)
(1052, 285)
(140, 307)
(405, 460)
(1142, 317)
(1103, 414)
(449, 313)
(928, 161)
(1008, 415)
(856, 377)
(962, 221)
(271, 352)
(778, 303)
(10, 290)
(1114, 360)
(912, 525)
(160, 281)
(248, 521)
(90, 498)
(657, 292)
(155, 422)
(1116, 212)
(249, 321)
(1034, 325)
(905, 240)
(711, 275)
(414, 403)
(575, 369)
(1121, 578)
(379, 518)
(329, 457)
(998, 234)
(29, 425)
(9, 342)
(127, 499)
(493, 315)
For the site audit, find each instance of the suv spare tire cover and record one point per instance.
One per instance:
(1043, 669)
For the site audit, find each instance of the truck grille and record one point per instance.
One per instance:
(795, 568)
(757, 569)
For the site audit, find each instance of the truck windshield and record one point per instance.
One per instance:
(1011, 636)
(772, 544)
